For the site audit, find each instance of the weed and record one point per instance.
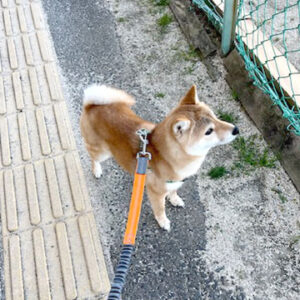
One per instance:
(164, 21)
(161, 2)
(234, 95)
(265, 161)
(122, 20)
(250, 153)
(294, 241)
(191, 55)
(189, 70)
(217, 172)
(227, 116)
(282, 198)
(159, 95)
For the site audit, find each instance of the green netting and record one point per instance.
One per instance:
(269, 30)
(213, 14)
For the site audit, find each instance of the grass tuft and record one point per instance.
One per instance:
(189, 70)
(234, 95)
(159, 95)
(121, 20)
(161, 2)
(227, 116)
(164, 21)
(217, 172)
(250, 153)
(191, 55)
(282, 198)
(295, 240)
(250, 157)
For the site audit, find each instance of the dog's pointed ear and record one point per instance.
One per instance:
(191, 97)
(181, 125)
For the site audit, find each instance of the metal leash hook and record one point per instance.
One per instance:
(142, 133)
(133, 218)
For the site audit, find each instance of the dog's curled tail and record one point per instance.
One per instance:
(102, 95)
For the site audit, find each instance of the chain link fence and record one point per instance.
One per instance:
(268, 39)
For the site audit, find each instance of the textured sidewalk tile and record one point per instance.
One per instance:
(25, 144)
(7, 22)
(22, 20)
(2, 98)
(12, 53)
(16, 78)
(5, 148)
(50, 240)
(4, 3)
(34, 86)
(27, 50)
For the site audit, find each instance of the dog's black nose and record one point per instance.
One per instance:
(235, 131)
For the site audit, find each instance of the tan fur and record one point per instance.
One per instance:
(109, 130)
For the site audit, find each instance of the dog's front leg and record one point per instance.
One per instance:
(174, 199)
(157, 200)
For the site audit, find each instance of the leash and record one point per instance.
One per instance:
(133, 217)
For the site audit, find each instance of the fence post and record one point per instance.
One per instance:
(229, 22)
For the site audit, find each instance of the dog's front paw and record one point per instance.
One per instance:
(176, 200)
(97, 170)
(164, 223)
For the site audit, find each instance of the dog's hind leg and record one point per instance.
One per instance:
(98, 154)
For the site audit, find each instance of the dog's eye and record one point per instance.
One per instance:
(209, 131)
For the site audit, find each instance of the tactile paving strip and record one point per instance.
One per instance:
(50, 240)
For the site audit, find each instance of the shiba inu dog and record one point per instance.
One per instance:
(178, 145)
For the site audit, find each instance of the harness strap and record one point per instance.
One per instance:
(173, 181)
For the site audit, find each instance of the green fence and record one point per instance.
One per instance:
(268, 39)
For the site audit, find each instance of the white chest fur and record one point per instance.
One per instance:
(185, 172)
(175, 185)
(191, 168)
